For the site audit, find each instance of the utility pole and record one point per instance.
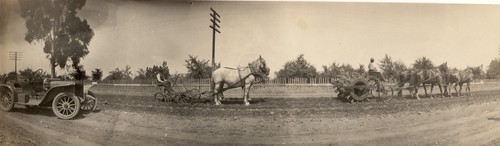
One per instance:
(15, 56)
(214, 26)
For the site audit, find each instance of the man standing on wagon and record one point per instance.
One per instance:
(372, 70)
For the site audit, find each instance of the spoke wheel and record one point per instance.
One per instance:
(6, 100)
(66, 105)
(90, 102)
(360, 89)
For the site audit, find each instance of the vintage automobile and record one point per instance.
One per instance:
(66, 98)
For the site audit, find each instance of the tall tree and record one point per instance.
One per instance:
(66, 37)
(423, 63)
(298, 68)
(493, 71)
(387, 67)
(199, 68)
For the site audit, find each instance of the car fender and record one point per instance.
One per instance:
(10, 89)
(52, 92)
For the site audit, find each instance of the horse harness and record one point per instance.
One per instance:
(252, 72)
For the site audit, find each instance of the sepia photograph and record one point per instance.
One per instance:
(282, 72)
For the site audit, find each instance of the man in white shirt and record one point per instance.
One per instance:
(372, 70)
(161, 81)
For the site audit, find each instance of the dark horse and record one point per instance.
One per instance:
(402, 78)
(423, 77)
(456, 78)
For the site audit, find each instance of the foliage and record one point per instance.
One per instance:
(298, 68)
(29, 73)
(199, 68)
(387, 67)
(477, 72)
(150, 72)
(423, 63)
(78, 73)
(399, 66)
(55, 23)
(335, 69)
(120, 74)
(493, 71)
(97, 74)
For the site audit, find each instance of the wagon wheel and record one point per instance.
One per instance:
(6, 100)
(360, 89)
(66, 105)
(90, 103)
(194, 94)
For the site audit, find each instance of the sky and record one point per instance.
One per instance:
(145, 33)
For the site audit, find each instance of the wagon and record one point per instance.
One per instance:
(176, 93)
(360, 88)
(66, 98)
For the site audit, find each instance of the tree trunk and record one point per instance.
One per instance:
(53, 69)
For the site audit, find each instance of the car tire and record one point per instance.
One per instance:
(66, 105)
(6, 100)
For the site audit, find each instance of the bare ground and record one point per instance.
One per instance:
(139, 120)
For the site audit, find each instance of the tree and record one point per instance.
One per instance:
(387, 67)
(78, 73)
(298, 68)
(493, 71)
(150, 72)
(477, 72)
(199, 68)
(120, 74)
(66, 37)
(399, 66)
(97, 74)
(423, 63)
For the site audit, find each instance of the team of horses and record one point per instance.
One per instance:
(244, 77)
(441, 76)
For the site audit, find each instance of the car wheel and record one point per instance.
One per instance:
(66, 105)
(90, 103)
(6, 100)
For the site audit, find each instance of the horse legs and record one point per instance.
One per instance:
(468, 88)
(221, 91)
(400, 89)
(425, 89)
(432, 88)
(441, 89)
(245, 94)
(455, 87)
(460, 91)
(216, 92)
(415, 90)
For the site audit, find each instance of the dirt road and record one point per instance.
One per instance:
(130, 120)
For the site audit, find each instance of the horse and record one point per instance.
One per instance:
(239, 77)
(457, 78)
(402, 78)
(426, 76)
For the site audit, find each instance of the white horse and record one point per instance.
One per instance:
(240, 77)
